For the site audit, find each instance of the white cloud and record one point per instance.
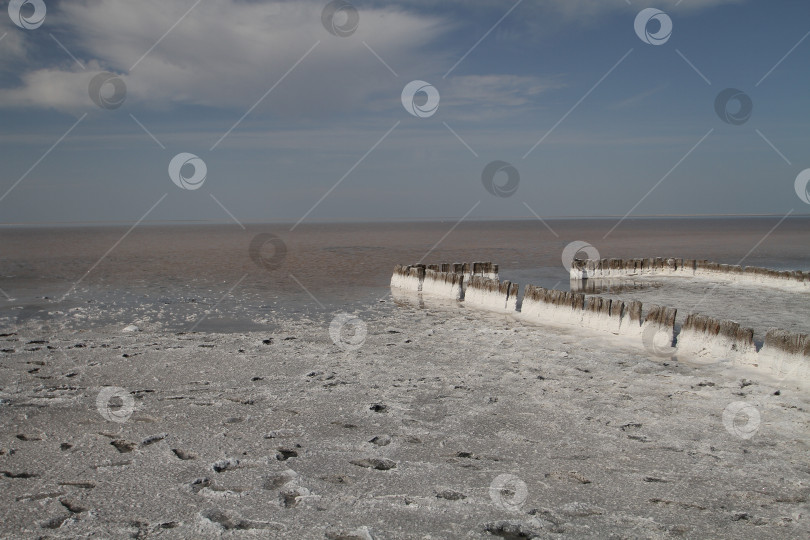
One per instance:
(589, 8)
(64, 90)
(495, 98)
(500, 90)
(12, 47)
(579, 7)
(228, 54)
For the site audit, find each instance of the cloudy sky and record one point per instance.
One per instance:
(592, 112)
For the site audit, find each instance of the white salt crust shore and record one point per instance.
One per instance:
(282, 434)
(782, 353)
(604, 268)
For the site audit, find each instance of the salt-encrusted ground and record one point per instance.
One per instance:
(271, 435)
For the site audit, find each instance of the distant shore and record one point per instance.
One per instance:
(443, 219)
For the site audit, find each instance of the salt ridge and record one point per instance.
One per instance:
(477, 285)
(602, 268)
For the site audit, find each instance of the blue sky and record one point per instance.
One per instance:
(645, 140)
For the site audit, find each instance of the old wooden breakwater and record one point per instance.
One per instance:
(478, 285)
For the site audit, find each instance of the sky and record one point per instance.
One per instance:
(293, 111)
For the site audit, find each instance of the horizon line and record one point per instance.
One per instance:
(389, 220)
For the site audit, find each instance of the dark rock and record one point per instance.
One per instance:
(153, 439)
(381, 440)
(199, 484)
(73, 507)
(379, 464)
(182, 454)
(450, 495)
(511, 529)
(286, 453)
(22, 475)
(123, 446)
(54, 523)
(225, 465)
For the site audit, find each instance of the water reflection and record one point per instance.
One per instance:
(611, 285)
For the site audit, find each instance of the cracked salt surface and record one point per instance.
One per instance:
(607, 439)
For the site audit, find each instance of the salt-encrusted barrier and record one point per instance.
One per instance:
(550, 304)
(441, 282)
(784, 354)
(491, 294)
(598, 268)
(542, 305)
(409, 278)
(595, 312)
(448, 285)
(659, 320)
(484, 269)
(602, 268)
(701, 335)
